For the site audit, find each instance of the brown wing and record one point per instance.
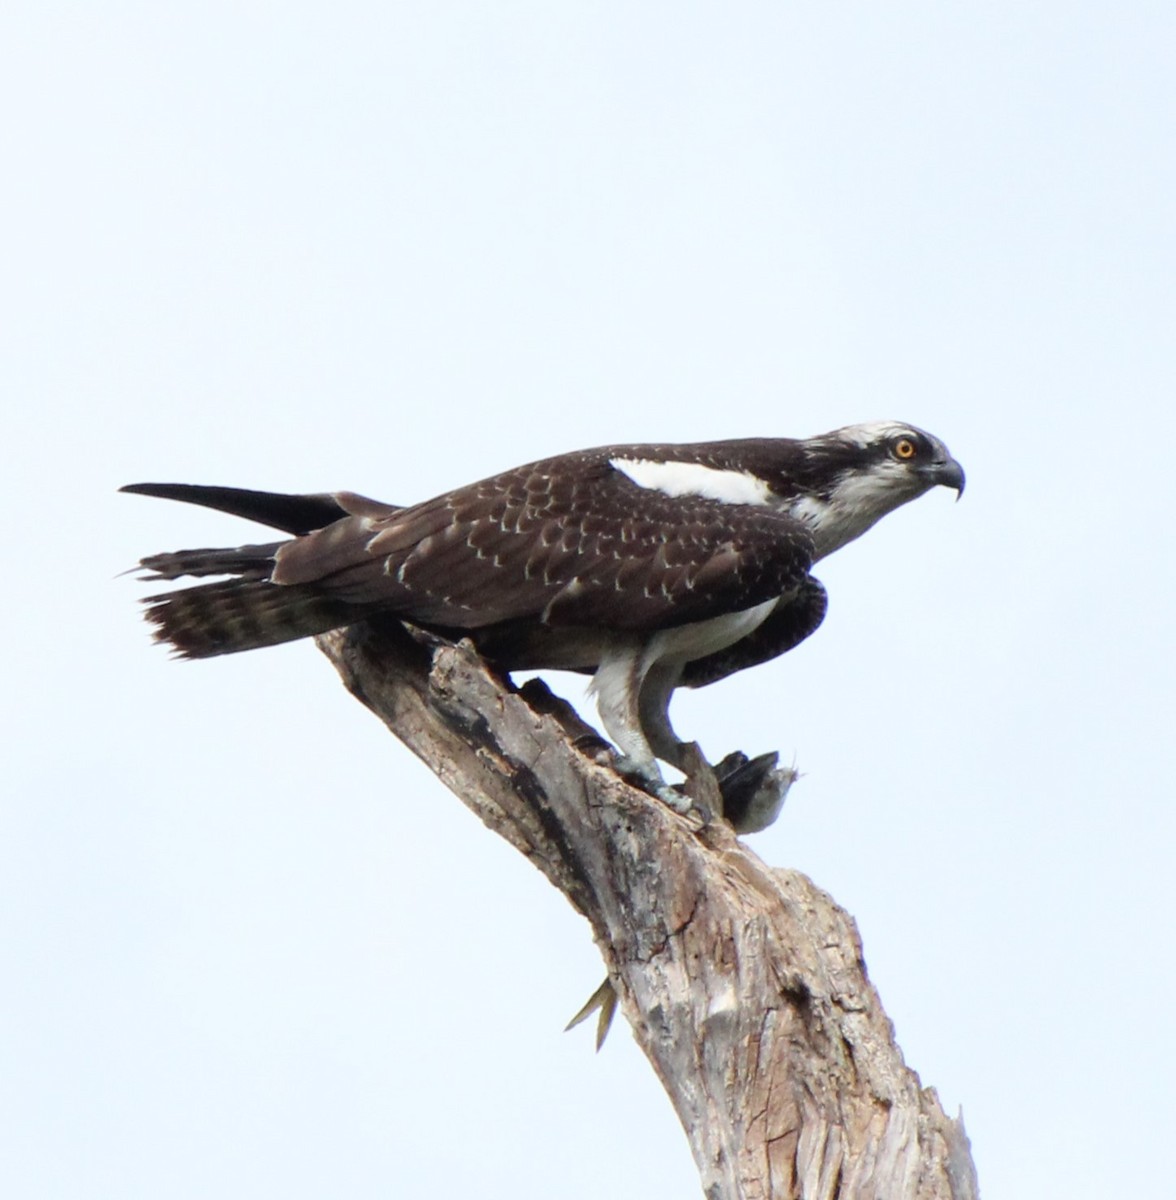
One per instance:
(570, 542)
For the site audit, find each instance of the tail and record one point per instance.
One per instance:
(249, 611)
(242, 614)
(294, 514)
(247, 562)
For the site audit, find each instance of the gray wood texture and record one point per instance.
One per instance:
(744, 985)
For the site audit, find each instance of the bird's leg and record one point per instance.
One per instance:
(653, 706)
(617, 684)
(752, 790)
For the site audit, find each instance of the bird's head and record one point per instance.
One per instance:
(853, 476)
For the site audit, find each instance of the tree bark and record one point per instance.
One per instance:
(744, 985)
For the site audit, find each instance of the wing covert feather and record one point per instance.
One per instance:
(577, 548)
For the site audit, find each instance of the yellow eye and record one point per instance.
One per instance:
(904, 449)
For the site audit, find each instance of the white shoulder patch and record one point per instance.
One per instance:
(694, 479)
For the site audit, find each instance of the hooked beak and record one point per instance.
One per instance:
(949, 473)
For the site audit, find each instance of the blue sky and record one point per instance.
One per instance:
(250, 946)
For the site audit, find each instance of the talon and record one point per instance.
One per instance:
(648, 777)
(699, 815)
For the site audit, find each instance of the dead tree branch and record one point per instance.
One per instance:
(744, 985)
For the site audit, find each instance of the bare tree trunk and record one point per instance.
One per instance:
(744, 985)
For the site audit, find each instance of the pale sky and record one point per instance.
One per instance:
(248, 946)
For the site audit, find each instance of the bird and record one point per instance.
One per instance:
(649, 566)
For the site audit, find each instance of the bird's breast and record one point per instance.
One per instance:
(686, 642)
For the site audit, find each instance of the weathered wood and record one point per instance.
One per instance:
(744, 985)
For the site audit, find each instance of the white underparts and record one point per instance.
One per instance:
(694, 479)
(684, 643)
(639, 723)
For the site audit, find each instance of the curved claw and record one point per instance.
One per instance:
(648, 777)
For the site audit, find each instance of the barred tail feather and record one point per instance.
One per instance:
(248, 562)
(237, 614)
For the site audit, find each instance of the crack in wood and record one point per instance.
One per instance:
(794, 1086)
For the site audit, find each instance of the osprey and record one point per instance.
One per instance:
(650, 566)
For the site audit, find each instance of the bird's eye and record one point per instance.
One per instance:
(904, 449)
